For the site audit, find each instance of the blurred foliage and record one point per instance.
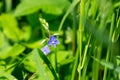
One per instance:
(22, 36)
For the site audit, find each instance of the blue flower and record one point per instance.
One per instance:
(46, 50)
(53, 41)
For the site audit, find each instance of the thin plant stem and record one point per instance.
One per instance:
(75, 53)
(85, 52)
(108, 50)
(8, 5)
(56, 68)
(74, 31)
(80, 32)
(96, 67)
(74, 3)
(75, 65)
(84, 72)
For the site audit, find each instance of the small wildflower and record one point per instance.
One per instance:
(53, 41)
(45, 50)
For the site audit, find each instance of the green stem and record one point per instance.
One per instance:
(75, 53)
(8, 5)
(107, 59)
(74, 31)
(97, 55)
(81, 30)
(84, 72)
(75, 65)
(74, 3)
(108, 50)
(56, 68)
(85, 52)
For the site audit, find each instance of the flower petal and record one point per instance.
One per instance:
(45, 50)
(53, 41)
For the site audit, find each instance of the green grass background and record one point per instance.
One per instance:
(88, 31)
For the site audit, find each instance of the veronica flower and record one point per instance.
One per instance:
(53, 41)
(46, 50)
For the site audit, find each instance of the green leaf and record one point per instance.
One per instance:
(104, 63)
(4, 76)
(48, 6)
(27, 32)
(39, 66)
(12, 51)
(117, 69)
(118, 57)
(55, 6)
(29, 63)
(10, 27)
(63, 57)
(2, 39)
(34, 44)
(4, 50)
(29, 7)
(45, 59)
(109, 65)
(16, 50)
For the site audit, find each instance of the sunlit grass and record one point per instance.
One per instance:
(60, 40)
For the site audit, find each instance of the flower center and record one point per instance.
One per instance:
(53, 42)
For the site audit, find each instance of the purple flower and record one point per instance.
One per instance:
(53, 41)
(45, 50)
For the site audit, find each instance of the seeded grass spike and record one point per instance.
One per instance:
(44, 24)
